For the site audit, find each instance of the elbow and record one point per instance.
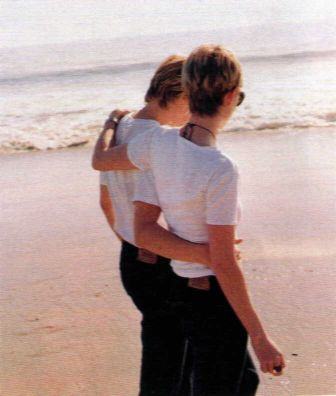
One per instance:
(96, 164)
(105, 207)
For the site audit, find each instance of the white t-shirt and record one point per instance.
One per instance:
(195, 186)
(122, 184)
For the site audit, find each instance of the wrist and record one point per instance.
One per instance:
(258, 336)
(256, 331)
(203, 255)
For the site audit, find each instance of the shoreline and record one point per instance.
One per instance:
(69, 328)
(90, 141)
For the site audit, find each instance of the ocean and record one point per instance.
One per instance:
(57, 93)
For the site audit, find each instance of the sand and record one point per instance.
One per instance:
(67, 326)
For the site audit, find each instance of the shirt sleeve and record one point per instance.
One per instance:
(103, 178)
(138, 149)
(222, 207)
(145, 190)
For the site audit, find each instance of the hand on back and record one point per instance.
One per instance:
(115, 116)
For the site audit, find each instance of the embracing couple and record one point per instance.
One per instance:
(184, 278)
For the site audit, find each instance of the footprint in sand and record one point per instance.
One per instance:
(46, 329)
(51, 328)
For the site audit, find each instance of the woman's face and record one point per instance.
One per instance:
(179, 111)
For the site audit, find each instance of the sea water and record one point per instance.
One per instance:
(58, 86)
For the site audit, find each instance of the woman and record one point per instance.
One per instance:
(196, 186)
(146, 277)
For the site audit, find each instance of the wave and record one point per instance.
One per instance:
(87, 134)
(274, 125)
(129, 67)
(290, 56)
(84, 72)
(13, 146)
(330, 117)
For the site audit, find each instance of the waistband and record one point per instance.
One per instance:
(143, 255)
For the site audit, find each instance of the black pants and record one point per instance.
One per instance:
(221, 364)
(163, 341)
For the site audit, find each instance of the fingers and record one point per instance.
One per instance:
(109, 124)
(283, 362)
(237, 251)
(263, 367)
(114, 117)
(269, 367)
(277, 365)
(117, 114)
(274, 366)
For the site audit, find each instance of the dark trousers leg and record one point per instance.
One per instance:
(221, 364)
(250, 379)
(163, 341)
(162, 357)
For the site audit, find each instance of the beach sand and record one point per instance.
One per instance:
(67, 326)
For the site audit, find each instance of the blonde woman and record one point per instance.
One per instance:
(147, 277)
(197, 190)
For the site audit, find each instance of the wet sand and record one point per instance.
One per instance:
(68, 328)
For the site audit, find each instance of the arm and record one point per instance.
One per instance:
(107, 156)
(107, 207)
(150, 235)
(110, 158)
(231, 280)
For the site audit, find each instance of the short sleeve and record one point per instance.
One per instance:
(145, 190)
(103, 178)
(222, 207)
(138, 149)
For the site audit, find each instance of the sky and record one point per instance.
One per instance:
(31, 22)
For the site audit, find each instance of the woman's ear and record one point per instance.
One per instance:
(230, 97)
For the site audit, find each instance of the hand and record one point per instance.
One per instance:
(270, 358)
(236, 250)
(114, 118)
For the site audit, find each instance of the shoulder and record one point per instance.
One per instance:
(130, 127)
(223, 165)
(164, 134)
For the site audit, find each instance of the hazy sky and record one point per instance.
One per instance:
(25, 22)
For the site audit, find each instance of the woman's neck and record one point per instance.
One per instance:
(152, 111)
(205, 129)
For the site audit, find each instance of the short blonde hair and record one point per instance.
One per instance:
(210, 72)
(166, 83)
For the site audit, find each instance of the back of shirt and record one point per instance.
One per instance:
(195, 186)
(122, 184)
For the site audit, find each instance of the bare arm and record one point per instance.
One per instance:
(107, 156)
(231, 280)
(150, 235)
(107, 207)
(110, 158)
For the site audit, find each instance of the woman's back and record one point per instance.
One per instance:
(195, 185)
(121, 184)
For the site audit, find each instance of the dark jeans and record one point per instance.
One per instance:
(221, 364)
(163, 341)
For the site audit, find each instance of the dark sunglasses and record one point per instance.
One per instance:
(241, 98)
